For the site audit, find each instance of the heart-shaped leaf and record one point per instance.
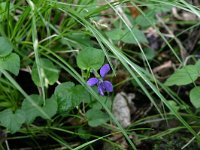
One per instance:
(126, 36)
(90, 58)
(50, 107)
(195, 96)
(96, 117)
(12, 121)
(183, 76)
(49, 74)
(31, 112)
(5, 47)
(10, 63)
(69, 96)
(129, 38)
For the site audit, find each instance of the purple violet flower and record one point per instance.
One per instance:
(102, 85)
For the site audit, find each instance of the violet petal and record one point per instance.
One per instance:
(108, 86)
(92, 81)
(101, 89)
(104, 70)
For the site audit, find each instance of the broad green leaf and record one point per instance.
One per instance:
(150, 13)
(63, 99)
(78, 94)
(80, 38)
(115, 34)
(31, 112)
(96, 117)
(195, 97)
(69, 96)
(160, 8)
(50, 107)
(90, 58)
(143, 22)
(5, 47)
(149, 53)
(198, 65)
(50, 73)
(84, 134)
(183, 76)
(3, 10)
(139, 35)
(106, 100)
(12, 121)
(126, 36)
(174, 105)
(10, 63)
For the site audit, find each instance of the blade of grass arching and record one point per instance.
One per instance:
(182, 32)
(150, 119)
(9, 26)
(75, 74)
(166, 102)
(22, 21)
(161, 97)
(1, 146)
(7, 75)
(35, 48)
(103, 7)
(193, 10)
(106, 54)
(88, 143)
(175, 97)
(163, 133)
(165, 40)
(59, 140)
(169, 92)
(172, 3)
(103, 138)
